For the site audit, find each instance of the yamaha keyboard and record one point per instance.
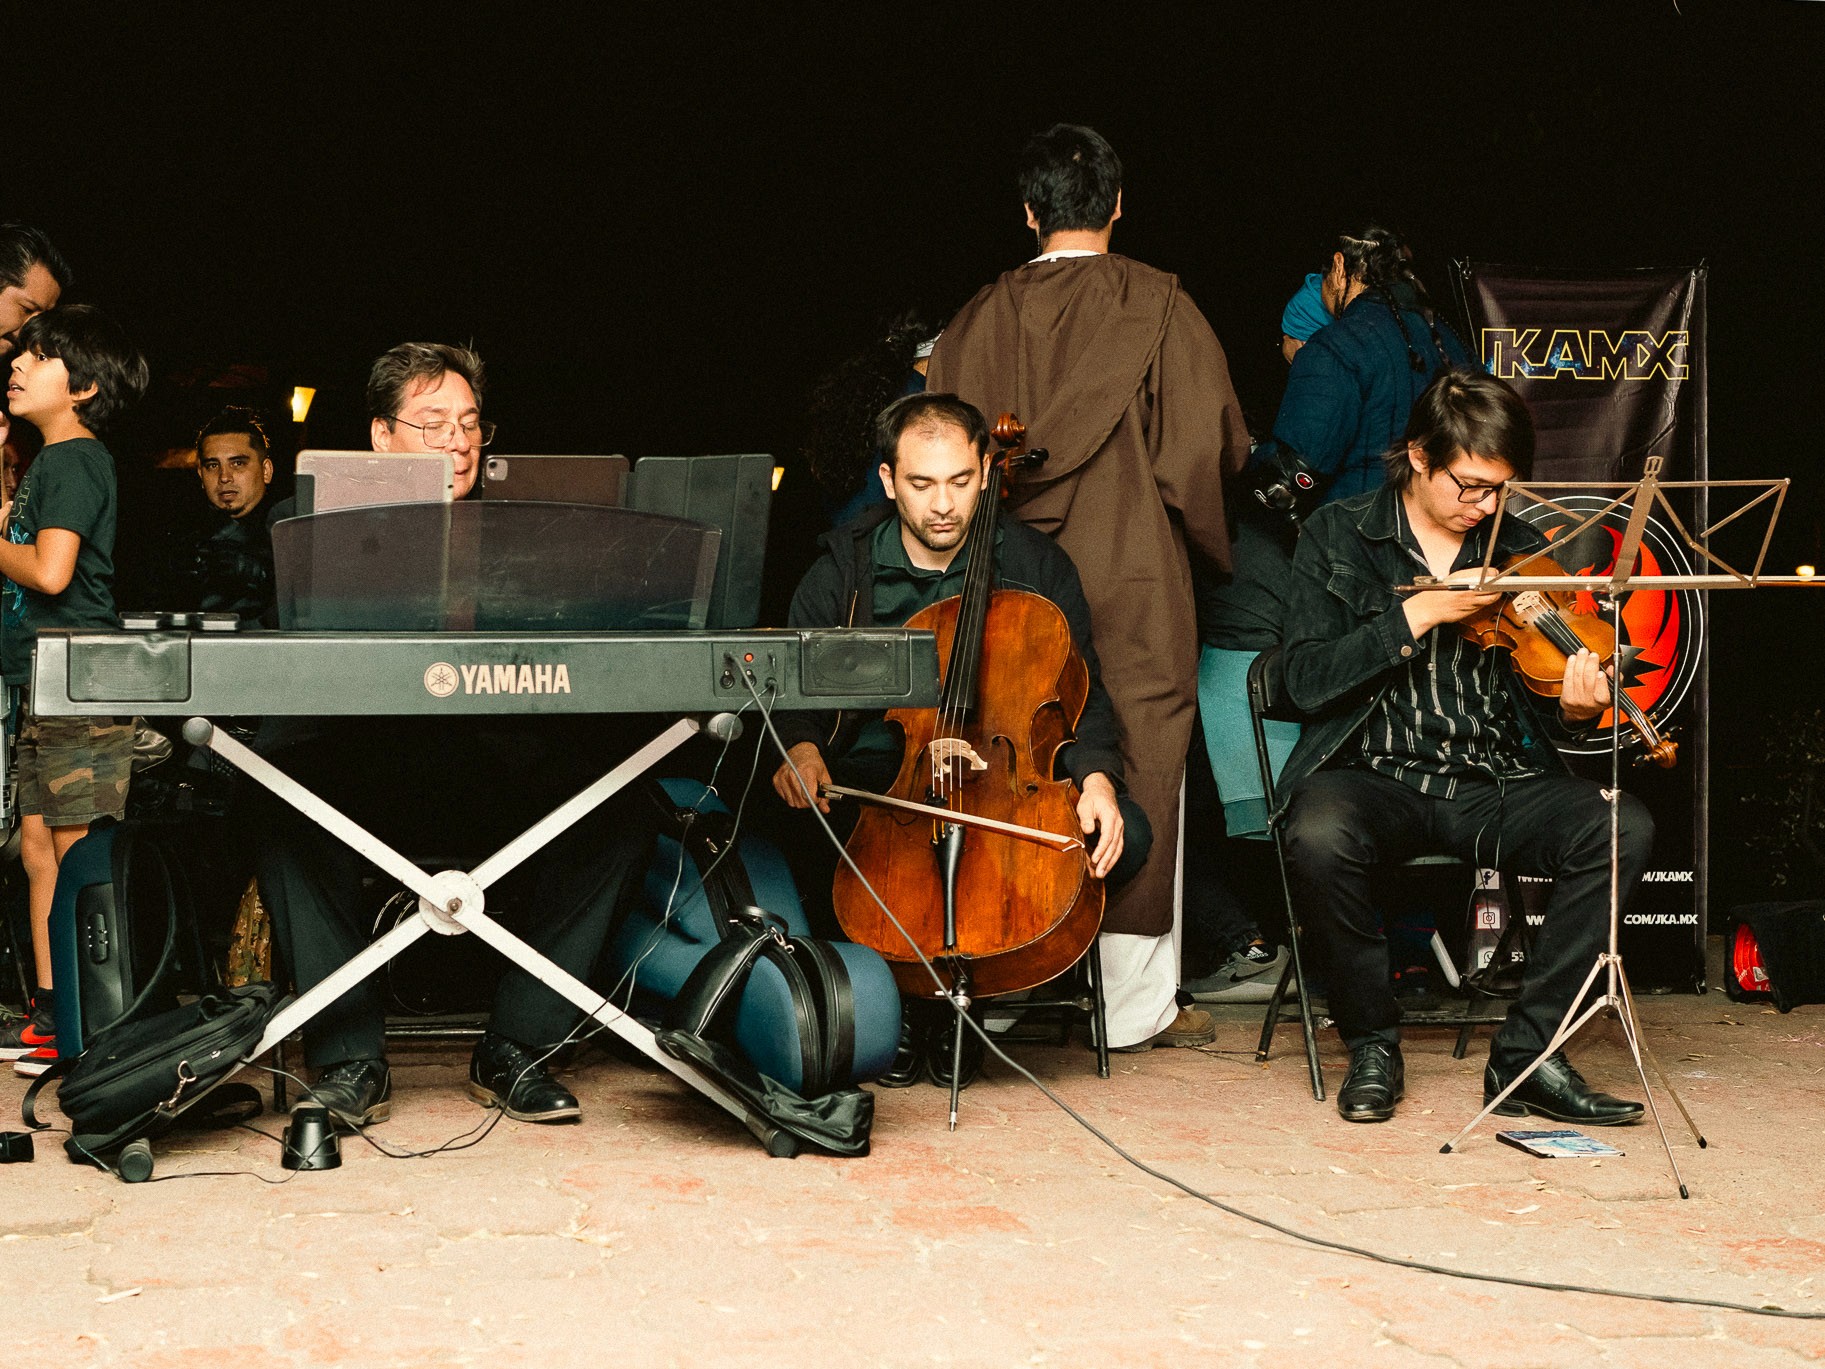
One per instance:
(208, 673)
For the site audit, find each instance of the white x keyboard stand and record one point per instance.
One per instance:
(452, 902)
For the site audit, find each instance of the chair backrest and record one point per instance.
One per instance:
(1267, 702)
(1267, 689)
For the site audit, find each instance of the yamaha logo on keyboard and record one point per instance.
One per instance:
(443, 679)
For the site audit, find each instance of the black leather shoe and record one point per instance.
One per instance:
(1376, 1081)
(909, 1060)
(1558, 1091)
(938, 1054)
(504, 1074)
(357, 1093)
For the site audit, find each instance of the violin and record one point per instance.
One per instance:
(975, 846)
(1543, 628)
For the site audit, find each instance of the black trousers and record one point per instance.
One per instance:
(1342, 823)
(453, 796)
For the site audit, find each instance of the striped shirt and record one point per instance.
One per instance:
(1446, 714)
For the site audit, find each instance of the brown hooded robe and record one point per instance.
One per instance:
(1117, 375)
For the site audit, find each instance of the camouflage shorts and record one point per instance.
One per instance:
(72, 771)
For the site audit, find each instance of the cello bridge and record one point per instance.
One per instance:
(944, 750)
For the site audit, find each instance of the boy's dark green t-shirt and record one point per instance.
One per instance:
(71, 485)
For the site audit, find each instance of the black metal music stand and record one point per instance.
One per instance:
(1641, 497)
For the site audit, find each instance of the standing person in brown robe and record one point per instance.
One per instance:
(1118, 376)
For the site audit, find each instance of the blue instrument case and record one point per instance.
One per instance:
(815, 1016)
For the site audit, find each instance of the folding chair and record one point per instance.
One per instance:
(1267, 702)
(1078, 992)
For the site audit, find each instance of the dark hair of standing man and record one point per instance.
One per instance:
(22, 247)
(411, 364)
(95, 351)
(1465, 411)
(1070, 178)
(924, 412)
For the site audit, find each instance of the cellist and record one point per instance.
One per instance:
(883, 568)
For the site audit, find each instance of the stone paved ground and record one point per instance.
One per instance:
(657, 1234)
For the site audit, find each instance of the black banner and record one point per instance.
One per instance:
(1612, 369)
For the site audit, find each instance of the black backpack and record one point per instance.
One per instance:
(125, 928)
(138, 1078)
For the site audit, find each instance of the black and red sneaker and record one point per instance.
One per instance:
(20, 1036)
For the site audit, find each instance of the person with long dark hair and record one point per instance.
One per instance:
(1352, 386)
(840, 429)
(1354, 382)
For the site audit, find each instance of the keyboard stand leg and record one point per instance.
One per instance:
(599, 1008)
(307, 1005)
(555, 823)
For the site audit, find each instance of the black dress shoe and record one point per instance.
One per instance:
(504, 1074)
(1376, 1081)
(943, 1040)
(357, 1093)
(1558, 1091)
(909, 1060)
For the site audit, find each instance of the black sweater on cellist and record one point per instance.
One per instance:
(838, 591)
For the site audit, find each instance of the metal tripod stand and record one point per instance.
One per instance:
(1615, 997)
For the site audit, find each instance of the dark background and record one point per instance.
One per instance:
(660, 223)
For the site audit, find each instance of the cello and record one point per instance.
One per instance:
(975, 846)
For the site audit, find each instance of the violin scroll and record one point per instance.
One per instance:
(1662, 751)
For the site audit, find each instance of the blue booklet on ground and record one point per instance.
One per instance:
(1556, 1145)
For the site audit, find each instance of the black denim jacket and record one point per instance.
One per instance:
(1346, 639)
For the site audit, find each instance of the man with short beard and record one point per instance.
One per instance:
(234, 563)
(881, 569)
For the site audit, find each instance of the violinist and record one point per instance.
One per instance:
(881, 569)
(1422, 744)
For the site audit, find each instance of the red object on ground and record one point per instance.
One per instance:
(1746, 961)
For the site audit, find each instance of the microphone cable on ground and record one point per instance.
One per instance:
(1292, 1233)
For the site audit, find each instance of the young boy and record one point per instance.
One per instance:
(74, 373)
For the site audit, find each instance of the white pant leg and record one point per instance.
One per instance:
(1141, 973)
(1140, 985)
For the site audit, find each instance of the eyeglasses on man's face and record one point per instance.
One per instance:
(1475, 494)
(442, 432)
